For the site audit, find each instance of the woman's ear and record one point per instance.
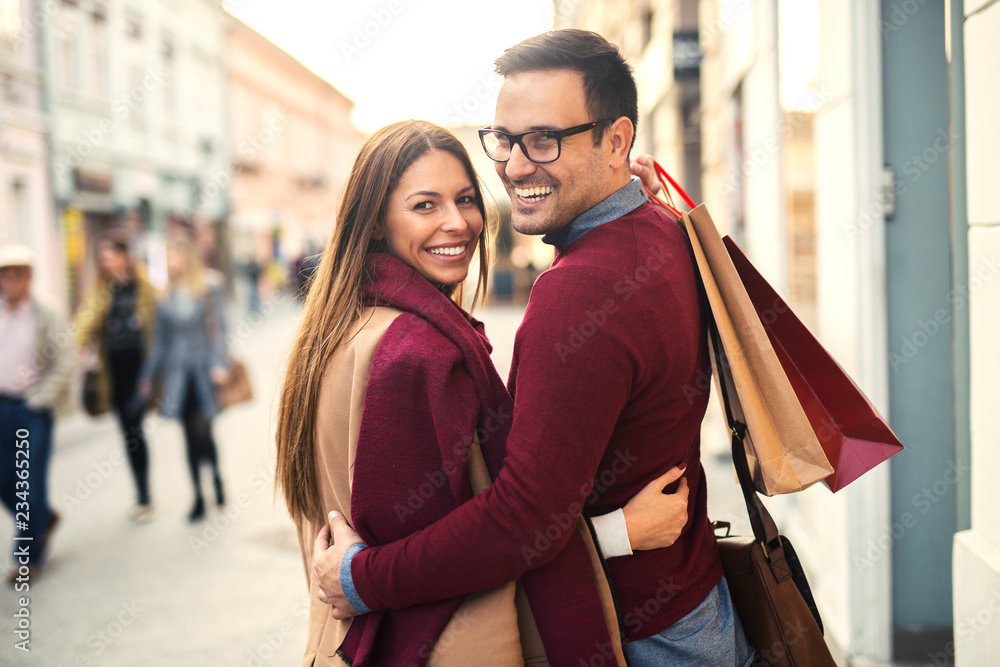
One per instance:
(378, 235)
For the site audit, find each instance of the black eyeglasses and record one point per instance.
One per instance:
(539, 146)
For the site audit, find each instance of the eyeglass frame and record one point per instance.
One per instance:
(559, 135)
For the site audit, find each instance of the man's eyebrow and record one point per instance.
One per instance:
(424, 193)
(533, 128)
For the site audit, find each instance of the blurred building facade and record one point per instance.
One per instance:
(973, 51)
(292, 145)
(660, 40)
(137, 108)
(833, 149)
(26, 211)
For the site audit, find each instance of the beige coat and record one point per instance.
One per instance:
(55, 361)
(487, 622)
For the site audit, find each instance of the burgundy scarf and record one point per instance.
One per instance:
(402, 483)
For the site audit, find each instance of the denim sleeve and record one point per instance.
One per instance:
(347, 581)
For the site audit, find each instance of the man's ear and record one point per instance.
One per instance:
(620, 133)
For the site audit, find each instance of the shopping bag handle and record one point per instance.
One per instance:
(667, 201)
(764, 528)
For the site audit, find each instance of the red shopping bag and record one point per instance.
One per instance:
(853, 434)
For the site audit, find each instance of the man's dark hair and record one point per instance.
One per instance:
(608, 83)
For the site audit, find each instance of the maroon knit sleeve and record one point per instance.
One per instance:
(576, 363)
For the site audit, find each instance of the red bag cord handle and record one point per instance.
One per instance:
(668, 182)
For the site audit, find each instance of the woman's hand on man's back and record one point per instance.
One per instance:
(655, 519)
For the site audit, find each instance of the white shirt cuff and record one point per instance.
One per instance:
(612, 534)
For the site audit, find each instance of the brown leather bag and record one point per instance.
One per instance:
(768, 586)
(238, 389)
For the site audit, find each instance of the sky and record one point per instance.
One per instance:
(798, 49)
(398, 59)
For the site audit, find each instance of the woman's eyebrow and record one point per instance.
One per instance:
(424, 193)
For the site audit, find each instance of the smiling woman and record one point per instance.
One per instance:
(388, 381)
(435, 231)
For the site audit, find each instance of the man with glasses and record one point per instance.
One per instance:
(604, 378)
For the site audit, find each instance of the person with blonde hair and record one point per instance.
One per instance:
(117, 316)
(188, 354)
(393, 414)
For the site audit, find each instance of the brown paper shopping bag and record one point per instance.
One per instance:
(782, 448)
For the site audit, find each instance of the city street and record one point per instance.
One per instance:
(226, 591)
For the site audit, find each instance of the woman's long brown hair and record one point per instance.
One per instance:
(335, 300)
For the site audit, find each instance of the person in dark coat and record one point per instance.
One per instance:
(118, 317)
(189, 355)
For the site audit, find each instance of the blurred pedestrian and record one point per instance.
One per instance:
(189, 355)
(36, 366)
(253, 271)
(117, 317)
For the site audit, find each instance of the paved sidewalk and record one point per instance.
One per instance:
(227, 591)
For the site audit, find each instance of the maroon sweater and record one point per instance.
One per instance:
(608, 374)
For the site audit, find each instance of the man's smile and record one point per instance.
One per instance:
(533, 195)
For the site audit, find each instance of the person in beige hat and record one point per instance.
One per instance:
(36, 364)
